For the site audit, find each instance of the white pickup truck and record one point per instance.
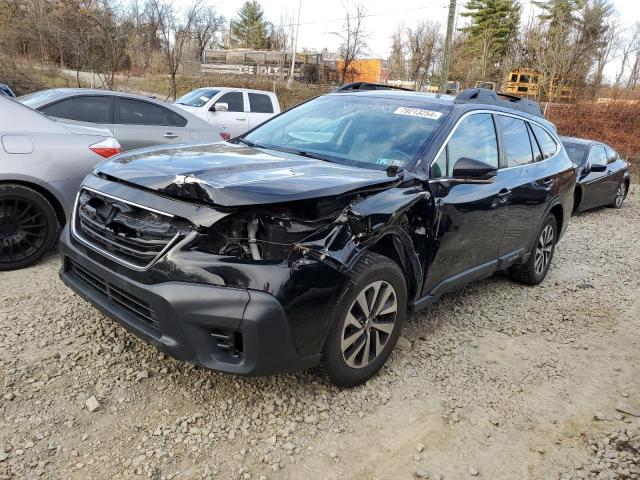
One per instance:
(232, 110)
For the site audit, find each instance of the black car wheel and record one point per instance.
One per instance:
(621, 194)
(535, 269)
(28, 226)
(366, 322)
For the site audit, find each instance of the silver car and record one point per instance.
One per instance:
(42, 163)
(136, 121)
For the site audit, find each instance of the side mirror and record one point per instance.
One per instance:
(473, 171)
(220, 107)
(597, 168)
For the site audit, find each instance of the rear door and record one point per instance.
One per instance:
(235, 119)
(595, 185)
(260, 108)
(470, 218)
(139, 123)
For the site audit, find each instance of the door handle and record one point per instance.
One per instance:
(548, 182)
(170, 135)
(241, 119)
(504, 194)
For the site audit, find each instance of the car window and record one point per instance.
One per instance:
(359, 130)
(260, 103)
(577, 153)
(136, 112)
(82, 109)
(517, 144)
(537, 153)
(598, 156)
(474, 138)
(175, 119)
(612, 155)
(198, 97)
(234, 100)
(547, 144)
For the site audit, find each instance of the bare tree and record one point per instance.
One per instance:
(397, 59)
(353, 37)
(174, 34)
(634, 51)
(607, 51)
(422, 42)
(205, 26)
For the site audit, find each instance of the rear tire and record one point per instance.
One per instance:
(621, 194)
(28, 226)
(535, 269)
(367, 321)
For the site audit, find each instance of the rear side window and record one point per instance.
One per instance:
(517, 144)
(82, 109)
(537, 153)
(598, 156)
(135, 112)
(260, 103)
(475, 138)
(175, 119)
(234, 100)
(547, 143)
(612, 155)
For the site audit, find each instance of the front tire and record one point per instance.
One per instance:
(366, 322)
(28, 226)
(535, 269)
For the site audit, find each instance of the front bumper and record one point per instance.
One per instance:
(231, 330)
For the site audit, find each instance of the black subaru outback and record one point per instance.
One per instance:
(307, 240)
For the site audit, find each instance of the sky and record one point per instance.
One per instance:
(319, 18)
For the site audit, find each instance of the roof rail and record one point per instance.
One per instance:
(357, 86)
(489, 97)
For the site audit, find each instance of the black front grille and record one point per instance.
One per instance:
(134, 235)
(137, 307)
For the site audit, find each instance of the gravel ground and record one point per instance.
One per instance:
(495, 381)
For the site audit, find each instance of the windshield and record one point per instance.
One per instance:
(198, 97)
(577, 153)
(364, 131)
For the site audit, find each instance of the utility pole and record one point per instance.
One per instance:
(295, 47)
(447, 47)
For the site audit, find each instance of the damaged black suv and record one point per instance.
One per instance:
(306, 241)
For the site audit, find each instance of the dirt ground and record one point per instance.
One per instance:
(497, 381)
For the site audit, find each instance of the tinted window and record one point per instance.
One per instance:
(175, 119)
(537, 153)
(517, 145)
(612, 155)
(235, 101)
(474, 138)
(547, 143)
(598, 156)
(82, 109)
(260, 103)
(135, 112)
(577, 153)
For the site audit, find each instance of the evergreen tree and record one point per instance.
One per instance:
(494, 19)
(493, 27)
(250, 29)
(558, 12)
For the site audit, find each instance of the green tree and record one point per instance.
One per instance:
(558, 12)
(250, 29)
(493, 27)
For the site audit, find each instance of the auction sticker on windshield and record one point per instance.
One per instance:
(418, 112)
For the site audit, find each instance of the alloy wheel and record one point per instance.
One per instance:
(544, 250)
(369, 324)
(620, 194)
(23, 229)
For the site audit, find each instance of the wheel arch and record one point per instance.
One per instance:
(46, 193)
(557, 211)
(577, 198)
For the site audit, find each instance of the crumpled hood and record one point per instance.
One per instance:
(234, 175)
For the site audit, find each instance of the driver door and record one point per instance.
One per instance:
(470, 218)
(594, 185)
(235, 120)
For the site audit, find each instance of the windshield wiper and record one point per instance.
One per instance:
(248, 143)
